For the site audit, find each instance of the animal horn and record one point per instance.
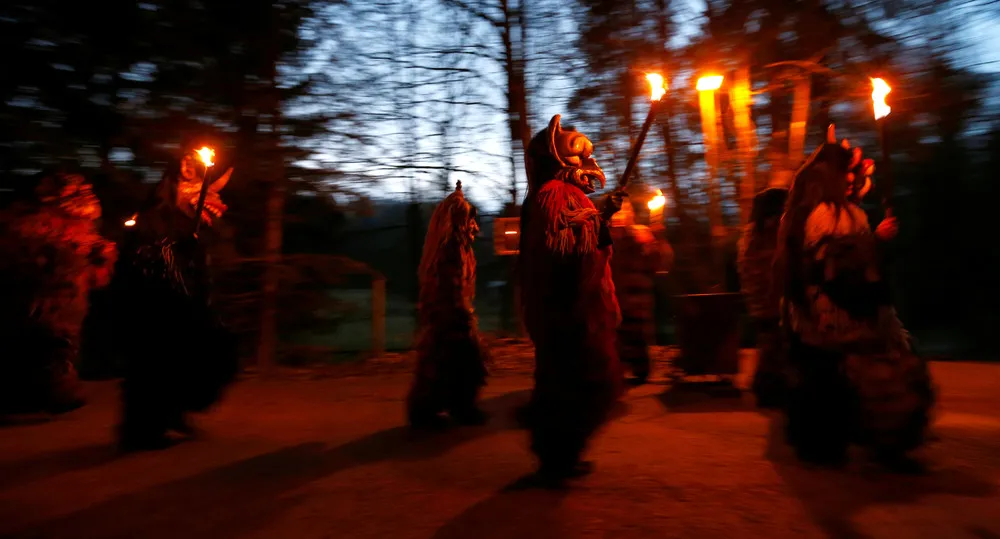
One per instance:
(458, 185)
(831, 135)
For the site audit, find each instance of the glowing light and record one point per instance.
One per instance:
(510, 232)
(130, 221)
(657, 86)
(657, 201)
(206, 154)
(709, 83)
(879, 90)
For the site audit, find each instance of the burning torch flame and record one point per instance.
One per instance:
(206, 154)
(657, 201)
(657, 86)
(130, 221)
(879, 90)
(709, 83)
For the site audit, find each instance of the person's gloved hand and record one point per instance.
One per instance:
(613, 203)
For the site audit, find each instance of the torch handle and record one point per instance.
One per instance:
(886, 181)
(633, 157)
(201, 201)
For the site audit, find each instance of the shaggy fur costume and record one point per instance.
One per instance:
(639, 255)
(51, 256)
(570, 310)
(857, 378)
(451, 357)
(179, 355)
(757, 248)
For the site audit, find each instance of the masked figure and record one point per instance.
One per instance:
(179, 356)
(450, 353)
(51, 256)
(640, 252)
(755, 263)
(857, 379)
(568, 299)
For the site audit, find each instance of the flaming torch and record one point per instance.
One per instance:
(879, 91)
(206, 155)
(655, 206)
(657, 90)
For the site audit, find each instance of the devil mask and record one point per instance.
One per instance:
(189, 182)
(841, 157)
(564, 154)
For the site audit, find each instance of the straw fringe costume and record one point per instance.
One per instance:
(568, 299)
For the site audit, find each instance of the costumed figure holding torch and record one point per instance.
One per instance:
(178, 354)
(856, 377)
(640, 253)
(451, 357)
(568, 299)
(51, 257)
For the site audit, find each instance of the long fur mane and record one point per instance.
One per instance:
(448, 265)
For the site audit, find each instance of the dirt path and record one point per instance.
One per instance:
(302, 458)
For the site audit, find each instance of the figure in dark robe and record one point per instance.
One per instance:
(179, 356)
(856, 377)
(451, 357)
(755, 263)
(640, 253)
(51, 256)
(568, 300)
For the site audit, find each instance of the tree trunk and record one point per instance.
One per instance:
(517, 114)
(274, 220)
(517, 102)
(272, 244)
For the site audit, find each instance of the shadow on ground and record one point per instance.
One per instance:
(244, 496)
(832, 498)
(705, 397)
(60, 462)
(517, 510)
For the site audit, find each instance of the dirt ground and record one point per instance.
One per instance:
(309, 454)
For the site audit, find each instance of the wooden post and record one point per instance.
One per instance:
(378, 315)
(745, 137)
(706, 100)
(709, 127)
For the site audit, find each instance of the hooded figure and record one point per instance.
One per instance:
(178, 354)
(568, 299)
(755, 263)
(451, 357)
(640, 252)
(856, 377)
(51, 256)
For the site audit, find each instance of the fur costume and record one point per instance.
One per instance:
(52, 256)
(179, 355)
(857, 378)
(639, 255)
(568, 299)
(755, 263)
(451, 356)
